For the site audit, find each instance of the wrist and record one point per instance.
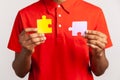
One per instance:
(26, 52)
(98, 54)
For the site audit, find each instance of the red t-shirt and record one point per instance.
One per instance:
(62, 56)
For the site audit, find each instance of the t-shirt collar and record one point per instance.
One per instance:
(50, 4)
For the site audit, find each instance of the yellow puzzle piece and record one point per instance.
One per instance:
(42, 25)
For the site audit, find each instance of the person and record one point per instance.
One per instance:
(60, 55)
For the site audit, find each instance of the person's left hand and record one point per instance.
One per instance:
(97, 41)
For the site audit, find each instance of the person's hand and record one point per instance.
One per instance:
(97, 41)
(29, 38)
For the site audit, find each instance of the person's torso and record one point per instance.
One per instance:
(63, 56)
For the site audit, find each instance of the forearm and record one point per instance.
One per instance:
(29, 38)
(22, 63)
(99, 64)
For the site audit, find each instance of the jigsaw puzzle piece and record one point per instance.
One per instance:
(78, 27)
(43, 25)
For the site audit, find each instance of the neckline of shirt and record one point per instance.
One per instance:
(50, 4)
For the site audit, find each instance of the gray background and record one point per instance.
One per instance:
(8, 11)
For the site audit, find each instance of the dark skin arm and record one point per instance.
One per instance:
(22, 61)
(98, 61)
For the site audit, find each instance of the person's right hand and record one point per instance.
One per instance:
(29, 38)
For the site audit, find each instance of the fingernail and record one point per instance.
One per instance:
(44, 38)
(86, 31)
(42, 34)
(93, 46)
(100, 54)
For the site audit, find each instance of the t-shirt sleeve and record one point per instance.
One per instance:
(102, 27)
(13, 43)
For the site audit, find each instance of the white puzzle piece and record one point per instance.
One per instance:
(78, 27)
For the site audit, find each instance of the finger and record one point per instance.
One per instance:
(30, 47)
(43, 38)
(93, 37)
(34, 35)
(96, 49)
(98, 33)
(39, 42)
(36, 40)
(30, 30)
(23, 32)
(91, 45)
(97, 43)
(37, 35)
(42, 35)
(23, 37)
